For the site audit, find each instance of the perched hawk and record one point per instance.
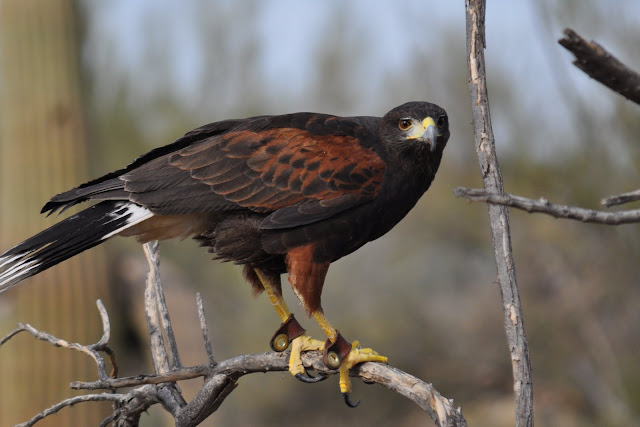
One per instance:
(275, 194)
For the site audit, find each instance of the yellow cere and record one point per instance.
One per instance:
(426, 122)
(417, 132)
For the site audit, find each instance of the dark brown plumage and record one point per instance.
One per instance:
(276, 194)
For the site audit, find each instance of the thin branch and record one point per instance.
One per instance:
(620, 199)
(439, 408)
(185, 373)
(205, 329)
(226, 373)
(220, 379)
(158, 349)
(100, 397)
(544, 206)
(158, 320)
(93, 350)
(152, 252)
(600, 65)
(498, 215)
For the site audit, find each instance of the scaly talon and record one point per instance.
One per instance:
(298, 345)
(354, 357)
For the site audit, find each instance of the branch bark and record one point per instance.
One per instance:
(220, 379)
(620, 199)
(544, 206)
(600, 65)
(498, 215)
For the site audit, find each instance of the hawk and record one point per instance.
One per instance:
(275, 194)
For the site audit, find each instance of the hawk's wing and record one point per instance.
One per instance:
(298, 169)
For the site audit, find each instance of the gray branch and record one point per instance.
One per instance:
(100, 397)
(93, 350)
(620, 199)
(158, 321)
(498, 215)
(544, 206)
(220, 379)
(205, 330)
(600, 65)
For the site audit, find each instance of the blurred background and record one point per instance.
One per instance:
(86, 86)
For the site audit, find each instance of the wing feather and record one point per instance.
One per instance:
(297, 169)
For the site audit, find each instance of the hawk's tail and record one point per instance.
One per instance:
(67, 238)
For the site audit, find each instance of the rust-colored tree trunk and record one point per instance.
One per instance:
(43, 152)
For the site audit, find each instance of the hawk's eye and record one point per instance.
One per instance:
(442, 121)
(405, 124)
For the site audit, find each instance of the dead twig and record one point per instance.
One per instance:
(620, 199)
(100, 397)
(498, 215)
(600, 65)
(205, 329)
(544, 206)
(164, 357)
(93, 350)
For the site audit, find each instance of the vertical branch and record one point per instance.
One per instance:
(157, 320)
(163, 312)
(498, 215)
(205, 330)
(158, 349)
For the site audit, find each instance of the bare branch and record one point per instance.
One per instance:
(223, 377)
(181, 374)
(205, 329)
(106, 325)
(600, 65)
(93, 350)
(214, 391)
(100, 397)
(544, 206)
(158, 349)
(158, 321)
(620, 199)
(220, 379)
(439, 408)
(151, 250)
(498, 215)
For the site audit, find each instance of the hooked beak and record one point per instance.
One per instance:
(430, 132)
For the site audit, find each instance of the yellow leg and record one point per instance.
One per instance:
(275, 297)
(306, 343)
(326, 327)
(299, 344)
(354, 357)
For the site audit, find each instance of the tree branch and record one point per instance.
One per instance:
(220, 379)
(100, 397)
(620, 199)
(498, 215)
(158, 321)
(205, 330)
(544, 206)
(600, 65)
(93, 350)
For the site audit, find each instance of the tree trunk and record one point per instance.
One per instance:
(43, 151)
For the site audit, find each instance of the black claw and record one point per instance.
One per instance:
(309, 374)
(348, 401)
(310, 379)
